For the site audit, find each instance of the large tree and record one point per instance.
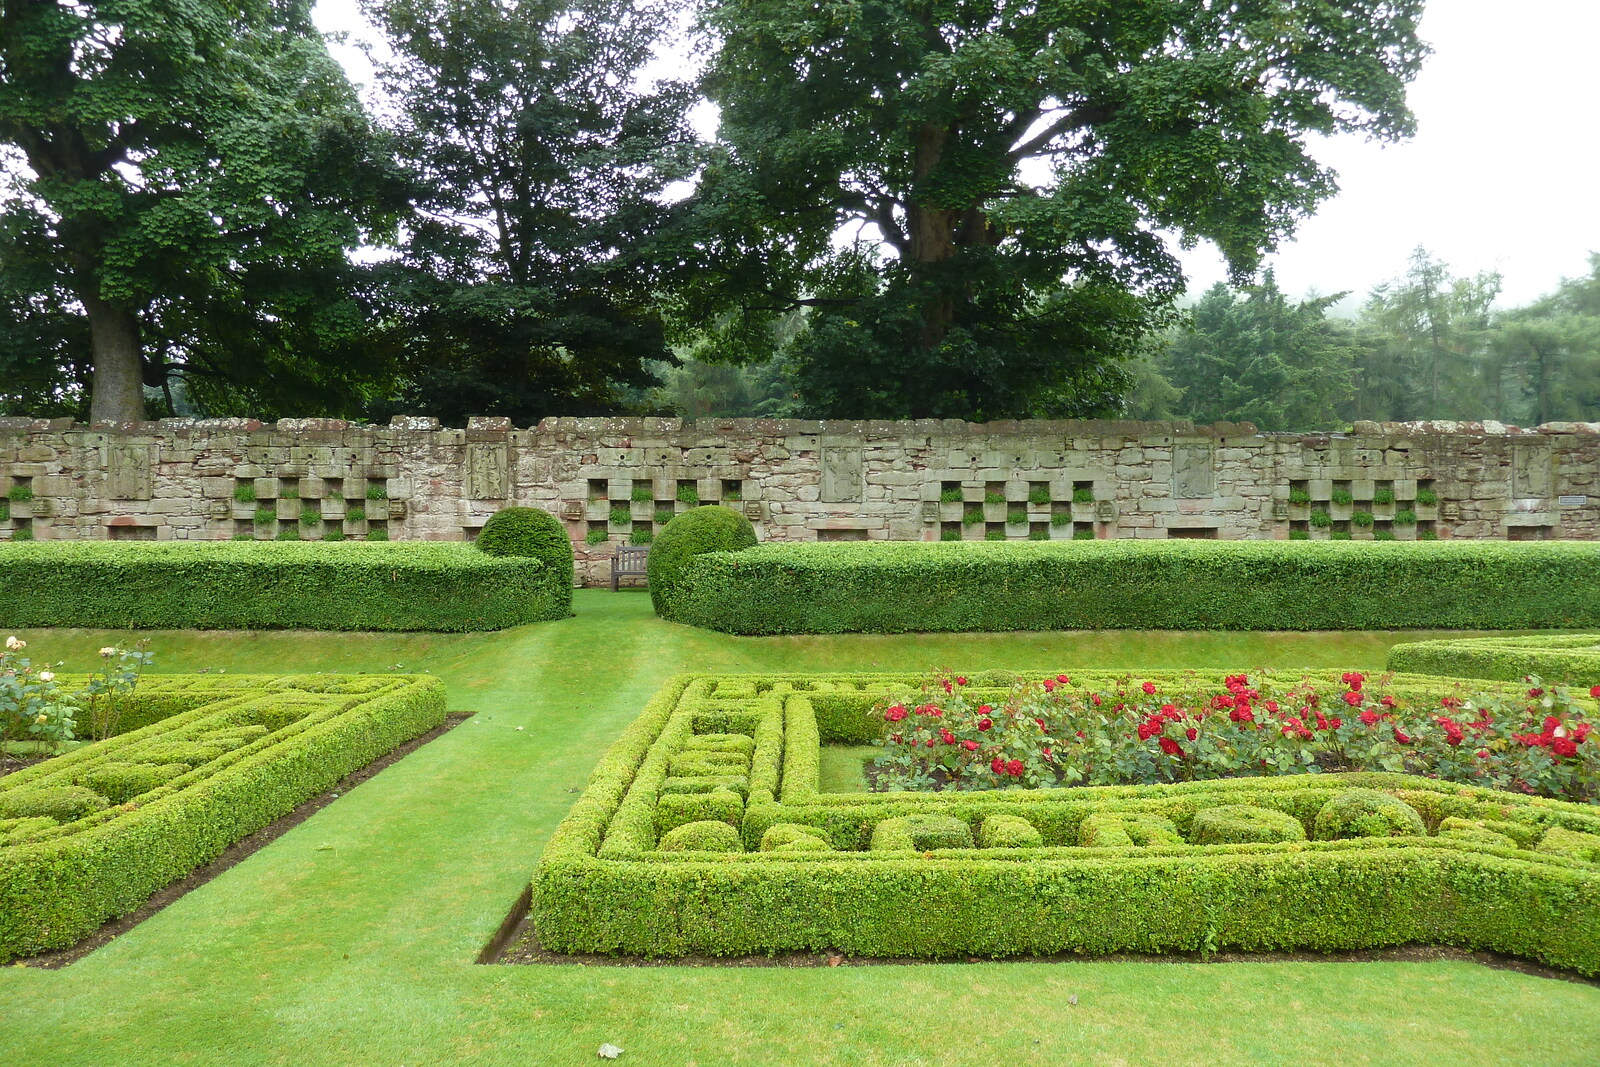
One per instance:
(529, 283)
(970, 194)
(192, 172)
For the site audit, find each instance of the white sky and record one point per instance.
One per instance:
(1504, 173)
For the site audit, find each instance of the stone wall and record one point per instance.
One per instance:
(616, 480)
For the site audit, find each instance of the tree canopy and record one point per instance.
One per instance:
(970, 195)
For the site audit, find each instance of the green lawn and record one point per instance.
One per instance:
(349, 941)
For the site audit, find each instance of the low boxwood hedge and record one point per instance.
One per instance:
(894, 587)
(409, 585)
(1571, 659)
(1198, 866)
(231, 755)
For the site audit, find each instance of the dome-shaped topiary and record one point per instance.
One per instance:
(1368, 813)
(703, 836)
(531, 532)
(712, 528)
(1244, 824)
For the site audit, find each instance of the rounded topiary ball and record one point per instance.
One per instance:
(1244, 824)
(531, 532)
(703, 836)
(1368, 813)
(711, 528)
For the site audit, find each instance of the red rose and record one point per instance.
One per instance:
(984, 709)
(1483, 753)
(1401, 736)
(896, 713)
(1535, 694)
(1015, 768)
(961, 680)
(1049, 685)
(930, 742)
(1387, 701)
(1064, 680)
(1550, 724)
(1369, 718)
(947, 687)
(1191, 733)
(1149, 728)
(1580, 731)
(1353, 698)
(946, 736)
(1272, 706)
(970, 746)
(1170, 747)
(984, 724)
(998, 765)
(1353, 679)
(1149, 688)
(1096, 699)
(1595, 692)
(1564, 746)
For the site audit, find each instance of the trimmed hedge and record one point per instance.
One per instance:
(225, 585)
(896, 587)
(98, 859)
(711, 528)
(1573, 659)
(897, 874)
(536, 534)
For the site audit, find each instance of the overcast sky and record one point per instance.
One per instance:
(1502, 174)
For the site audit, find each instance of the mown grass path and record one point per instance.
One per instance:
(350, 940)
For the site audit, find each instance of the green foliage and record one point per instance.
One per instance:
(621, 515)
(537, 534)
(1427, 498)
(1383, 496)
(1320, 518)
(1017, 517)
(1087, 870)
(1036, 535)
(1367, 813)
(1342, 496)
(539, 154)
(1362, 519)
(1299, 535)
(640, 535)
(596, 537)
(1559, 841)
(994, 535)
(1008, 831)
(642, 494)
(1566, 659)
(1405, 517)
(377, 491)
(265, 516)
(1242, 824)
(949, 535)
(355, 513)
(1384, 535)
(242, 586)
(891, 587)
(20, 493)
(972, 516)
(5, 509)
(63, 803)
(310, 515)
(922, 833)
(1256, 357)
(994, 496)
(377, 533)
(1339, 535)
(245, 492)
(1084, 495)
(290, 491)
(688, 494)
(952, 495)
(706, 836)
(22, 533)
(1021, 183)
(1299, 497)
(1061, 518)
(1428, 535)
(712, 528)
(664, 516)
(288, 533)
(1084, 534)
(299, 735)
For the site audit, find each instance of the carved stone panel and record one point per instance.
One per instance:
(842, 481)
(488, 470)
(1531, 471)
(1194, 475)
(128, 469)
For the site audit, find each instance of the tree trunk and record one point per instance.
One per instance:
(118, 390)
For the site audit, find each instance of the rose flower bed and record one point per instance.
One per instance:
(1052, 733)
(704, 829)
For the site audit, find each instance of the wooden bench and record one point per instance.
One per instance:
(630, 559)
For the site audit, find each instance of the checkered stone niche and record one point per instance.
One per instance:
(704, 831)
